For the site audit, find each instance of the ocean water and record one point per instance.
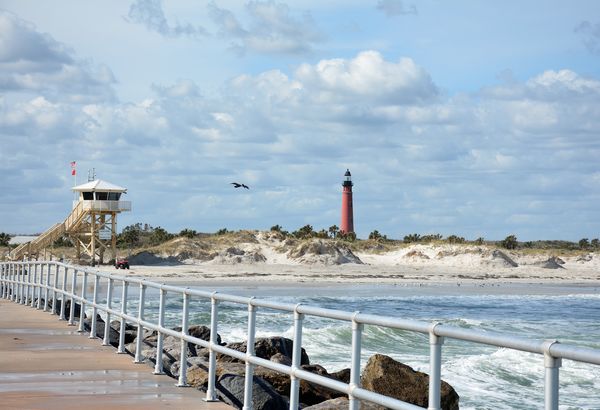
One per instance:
(485, 377)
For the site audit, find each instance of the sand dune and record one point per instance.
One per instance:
(267, 258)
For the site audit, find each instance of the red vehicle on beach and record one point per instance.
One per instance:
(122, 264)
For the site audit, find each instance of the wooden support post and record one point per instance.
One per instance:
(113, 237)
(93, 238)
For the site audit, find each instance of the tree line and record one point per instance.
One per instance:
(143, 234)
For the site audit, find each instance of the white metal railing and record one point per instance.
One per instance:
(36, 282)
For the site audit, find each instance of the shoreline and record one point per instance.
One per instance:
(367, 279)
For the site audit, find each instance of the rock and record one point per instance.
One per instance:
(130, 330)
(341, 403)
(384, 375)
(197, 372)
(309, 393)
(342, 375)
(267, 348)
(113, 335)
(281, 359)
(230, 389)
(172, 346)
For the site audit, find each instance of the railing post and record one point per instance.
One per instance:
(158, 366)
(83, 297)
(47, 287)
(109, 290)
(552, 365)
(17, 284)
(73, 290)
(435, 368)
(40, 284)
(249, 379)
(17, 293)
(296, 359)
(94, 307)
(184, 343)
(34, 286)
(22, 284)
(212, 355)
(54, 288)
(121, 349)
(357, 329)
(2, 282)
(29, 284)
(12, 282)
(63, 301)
(140, 329)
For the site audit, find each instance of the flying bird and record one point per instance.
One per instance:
(238, 185)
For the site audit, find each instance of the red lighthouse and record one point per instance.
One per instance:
(347, 224)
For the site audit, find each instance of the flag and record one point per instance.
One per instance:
(73, 168)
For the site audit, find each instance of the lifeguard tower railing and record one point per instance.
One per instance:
(36, 283)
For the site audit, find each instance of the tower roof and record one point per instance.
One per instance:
(347, 174)
(99, 186)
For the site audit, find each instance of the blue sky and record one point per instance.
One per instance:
(468, 118)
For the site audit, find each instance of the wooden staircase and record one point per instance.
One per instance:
(43, 241)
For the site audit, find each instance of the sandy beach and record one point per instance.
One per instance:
(267, 262)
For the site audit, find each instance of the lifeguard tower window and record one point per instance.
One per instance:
(101, 196)
(114, 196)
(88, 196)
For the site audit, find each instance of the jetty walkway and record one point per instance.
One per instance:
(45, 364)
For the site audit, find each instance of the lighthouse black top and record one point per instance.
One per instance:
(348, 180)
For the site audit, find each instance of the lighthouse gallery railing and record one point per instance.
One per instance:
(35, 283)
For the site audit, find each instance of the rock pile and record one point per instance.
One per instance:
(271, 389)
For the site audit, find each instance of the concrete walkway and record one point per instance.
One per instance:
(46, 364)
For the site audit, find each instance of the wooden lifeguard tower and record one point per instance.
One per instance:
(91, 226)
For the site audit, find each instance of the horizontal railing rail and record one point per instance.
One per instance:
(37, 282)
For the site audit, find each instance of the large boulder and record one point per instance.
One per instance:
(230, 389)
(384, 375)
(310, 393)
(267, 348)
(172, 346)
(341, 403)
(113, 335)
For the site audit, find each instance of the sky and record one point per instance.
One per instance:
(469, 118)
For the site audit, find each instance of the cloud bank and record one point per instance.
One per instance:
(513, 157)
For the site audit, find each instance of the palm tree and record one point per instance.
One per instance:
(334, 230)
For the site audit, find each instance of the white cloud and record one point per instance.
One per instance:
(590, 35)
(368, 75)
(34, 62)
(150, 14)
(272, 28)
(396, 7)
